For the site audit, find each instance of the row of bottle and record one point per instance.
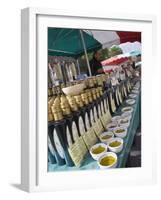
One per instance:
(75, 130)
(90, 82)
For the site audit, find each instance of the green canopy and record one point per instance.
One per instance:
(67, 42)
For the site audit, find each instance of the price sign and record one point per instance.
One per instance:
(75, 153)
(89, 138)
(82, 145)
(103, 120)
(97, 128)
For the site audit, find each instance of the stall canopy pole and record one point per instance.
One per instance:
(78, 66)
(85, 51)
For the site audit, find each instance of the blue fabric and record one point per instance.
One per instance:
(135, 53)
(90, 164)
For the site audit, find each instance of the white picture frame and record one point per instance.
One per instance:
(34, 176)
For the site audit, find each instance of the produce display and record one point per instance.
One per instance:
(98, 150)
(115, 144)
(108, 160)
(119, 130)
(83, 120)
(105, 137)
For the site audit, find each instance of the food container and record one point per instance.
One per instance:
(98, 150)
(136, 87)
(126, 115)
(111, 126)
(115, 144)
(133, 96)
(74, 90)
(116, 118)
(108, 160)
(135, 91)
(130, 101)
(120, 132)
(125, 122)
(128, 109)
(106, 136)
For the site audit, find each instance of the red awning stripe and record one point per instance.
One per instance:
(129, 36)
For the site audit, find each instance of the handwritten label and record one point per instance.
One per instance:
(106, 119)
(103, 121)
(108, 116)
(100, 125)
(75, 153)
(82, 145)
(89, 138)
(97, 129)
(93, 136)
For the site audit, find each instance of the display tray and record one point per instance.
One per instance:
(90, 164)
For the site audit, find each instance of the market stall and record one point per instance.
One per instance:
(80, 114)
(71, 43)
(109, 38)
(89, 163)
(91, 122)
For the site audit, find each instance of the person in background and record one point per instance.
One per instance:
(95, 64)
(132, 61)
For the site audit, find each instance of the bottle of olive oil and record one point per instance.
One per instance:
(51, 155)
(91, 95)
(89, 135)
(121, 97)
(79, 149)
(56, 144)
(124, 89)
(121, 90)
(117, 96)
(102, 96)
(87, 106)
(91, 108)
(97, 103)
(59, 133)
(111, 101)
(96, 111)
(65, 107)
(82, 109)
(51, 158)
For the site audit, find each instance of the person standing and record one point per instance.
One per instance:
(95, 64)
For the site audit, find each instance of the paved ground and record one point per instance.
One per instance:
(134, 159)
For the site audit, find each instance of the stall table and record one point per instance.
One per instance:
(89, 163)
